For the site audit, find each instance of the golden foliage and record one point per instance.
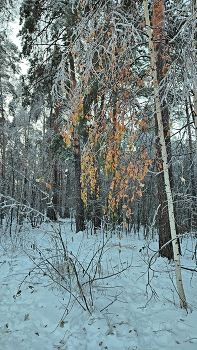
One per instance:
(48, 186)
(110, 151)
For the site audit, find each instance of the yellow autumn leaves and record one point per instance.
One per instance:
(113, 166)
(47, 185)
(106, 157)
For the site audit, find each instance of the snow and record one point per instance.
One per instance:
(126, 312)
(15, 28)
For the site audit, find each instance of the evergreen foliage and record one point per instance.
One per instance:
(90, 76)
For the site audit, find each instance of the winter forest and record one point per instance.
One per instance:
(98, 174)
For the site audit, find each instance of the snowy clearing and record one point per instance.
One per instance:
(38, 312)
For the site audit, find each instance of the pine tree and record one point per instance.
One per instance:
(164, 152)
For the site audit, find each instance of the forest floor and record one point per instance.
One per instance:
(131, 307)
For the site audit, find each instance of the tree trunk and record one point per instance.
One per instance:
(55, 184)
(80, 225)
(192, 171)
(159, 49)
(67, 205)
(3, 148)
(52, 210)
(163, 216)
(2, 134)
(181, 293)
(194, 10)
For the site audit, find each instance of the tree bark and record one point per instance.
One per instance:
(192, 171)
(194, 73)
(3, 148)
(159, 49)
(52, 210)
(55, 184)
(80, 224)
(176, 253)
(67, 206)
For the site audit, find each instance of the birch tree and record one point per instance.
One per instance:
(159, 12)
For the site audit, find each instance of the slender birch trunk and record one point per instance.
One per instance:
(181, 293)
(160, 54)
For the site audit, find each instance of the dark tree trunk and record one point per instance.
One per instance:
(55, 186)
(80, 225)
(163, 216)
(3, 148)
(51, 214)
(53, 210)
(192, 173)
(67, 205)
(97, 216)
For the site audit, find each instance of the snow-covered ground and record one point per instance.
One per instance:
(130, 310)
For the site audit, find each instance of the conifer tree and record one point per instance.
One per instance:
(158, 22)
